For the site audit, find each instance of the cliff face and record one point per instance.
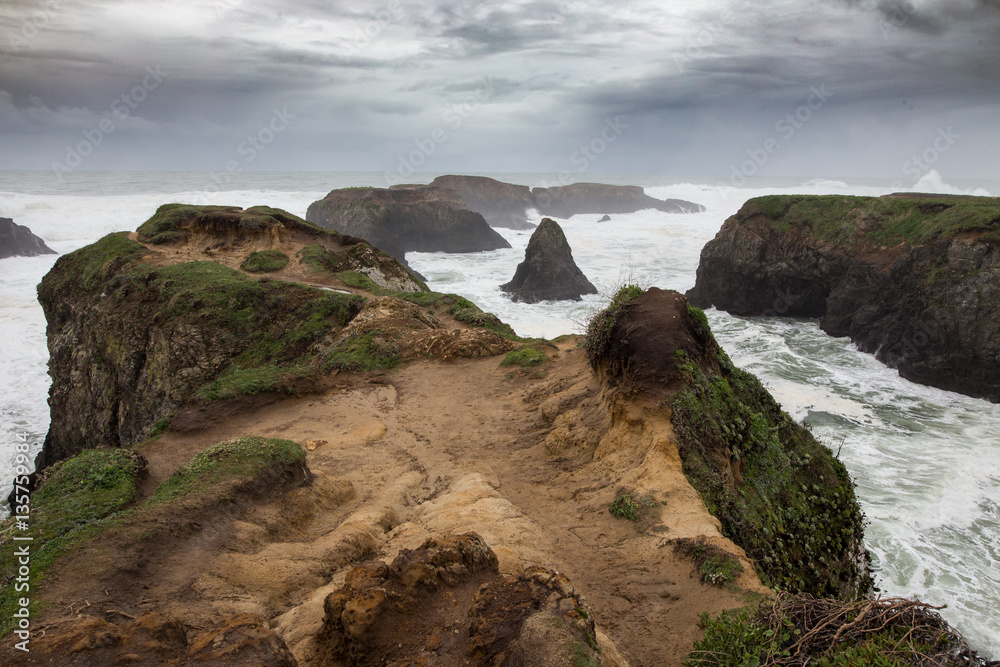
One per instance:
(18, 241)
(405, 220)
(778, 493)
(133, 338)
(548, 272)
(914, 280)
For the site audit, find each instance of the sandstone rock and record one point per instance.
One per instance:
(567, 200)
(445, 603)
(405, 220)
(242, 640)
(548, 272)
(18, 241)
(927, 304)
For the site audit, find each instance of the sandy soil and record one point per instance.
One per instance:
(529, 460)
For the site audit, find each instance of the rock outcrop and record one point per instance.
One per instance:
(133, 338)
(502, 204)
(446, 603)
(18, 241)
(407, 219)
(914, 280)
(739, 450)
(565, 200)
(548, 272)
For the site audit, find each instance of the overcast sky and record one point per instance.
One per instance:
(722, 88)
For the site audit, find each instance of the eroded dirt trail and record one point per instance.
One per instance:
(529, 460)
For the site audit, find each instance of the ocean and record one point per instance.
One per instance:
(926, 461)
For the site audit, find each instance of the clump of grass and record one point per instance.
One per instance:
(525, 357)
(469, 313)
(598, 336)
(265, 261)
(356, 279)
(242, 458)
(319, 258)
(257, 380)
(792, 630)
(77, 495)
(367, 352)
(639, 509)
(715, 566)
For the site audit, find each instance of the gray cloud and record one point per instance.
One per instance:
(699, 83)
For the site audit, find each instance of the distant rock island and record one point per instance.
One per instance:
(18, 241)
(406, 219)
(912, 278)
(548, 272)
(506, 204)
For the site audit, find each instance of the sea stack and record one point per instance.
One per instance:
(18, 241)
(548, 272)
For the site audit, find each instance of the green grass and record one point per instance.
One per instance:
(368, 352)
(257, 380)
(598, 336)
(91, 266)
(715, 566)
(778, 493)
(242, 458)
(803, 632)
(356, 279)
(639, 509)
(172, 222)
(265, 261)
(525, 357)
(469, 313)
(876, 220)
(68, 509)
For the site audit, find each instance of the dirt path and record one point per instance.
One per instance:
(530, 460)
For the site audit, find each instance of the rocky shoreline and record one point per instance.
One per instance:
(271, 444)
(913, 280)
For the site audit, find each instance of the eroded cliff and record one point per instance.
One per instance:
(914, 280)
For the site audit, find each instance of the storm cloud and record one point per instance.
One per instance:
(698, 88)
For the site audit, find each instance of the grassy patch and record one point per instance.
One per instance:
(362, 353)
(876, 220)
(257, 380)
(318, 258)
(778, 493)
(78, 495)
(715, 566)
(172, 222)
(265, 261)
(469, 313)
(793, 630)
(598, 336)
(92, 265)
(356, 279)
(242, 458)
(639, 509)
(525, 357)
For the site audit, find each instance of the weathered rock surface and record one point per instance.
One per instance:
(914, 280)
(156, 639)
(18, 241)
(407, 219)
(566, 200)
(445, 603)
(548, 272)
(502, 204)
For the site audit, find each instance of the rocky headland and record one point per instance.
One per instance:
(507, 205)
(18, 241)
(914, 280)
(548, 272)
(406, 219)
(563, 201)
(299, 456)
